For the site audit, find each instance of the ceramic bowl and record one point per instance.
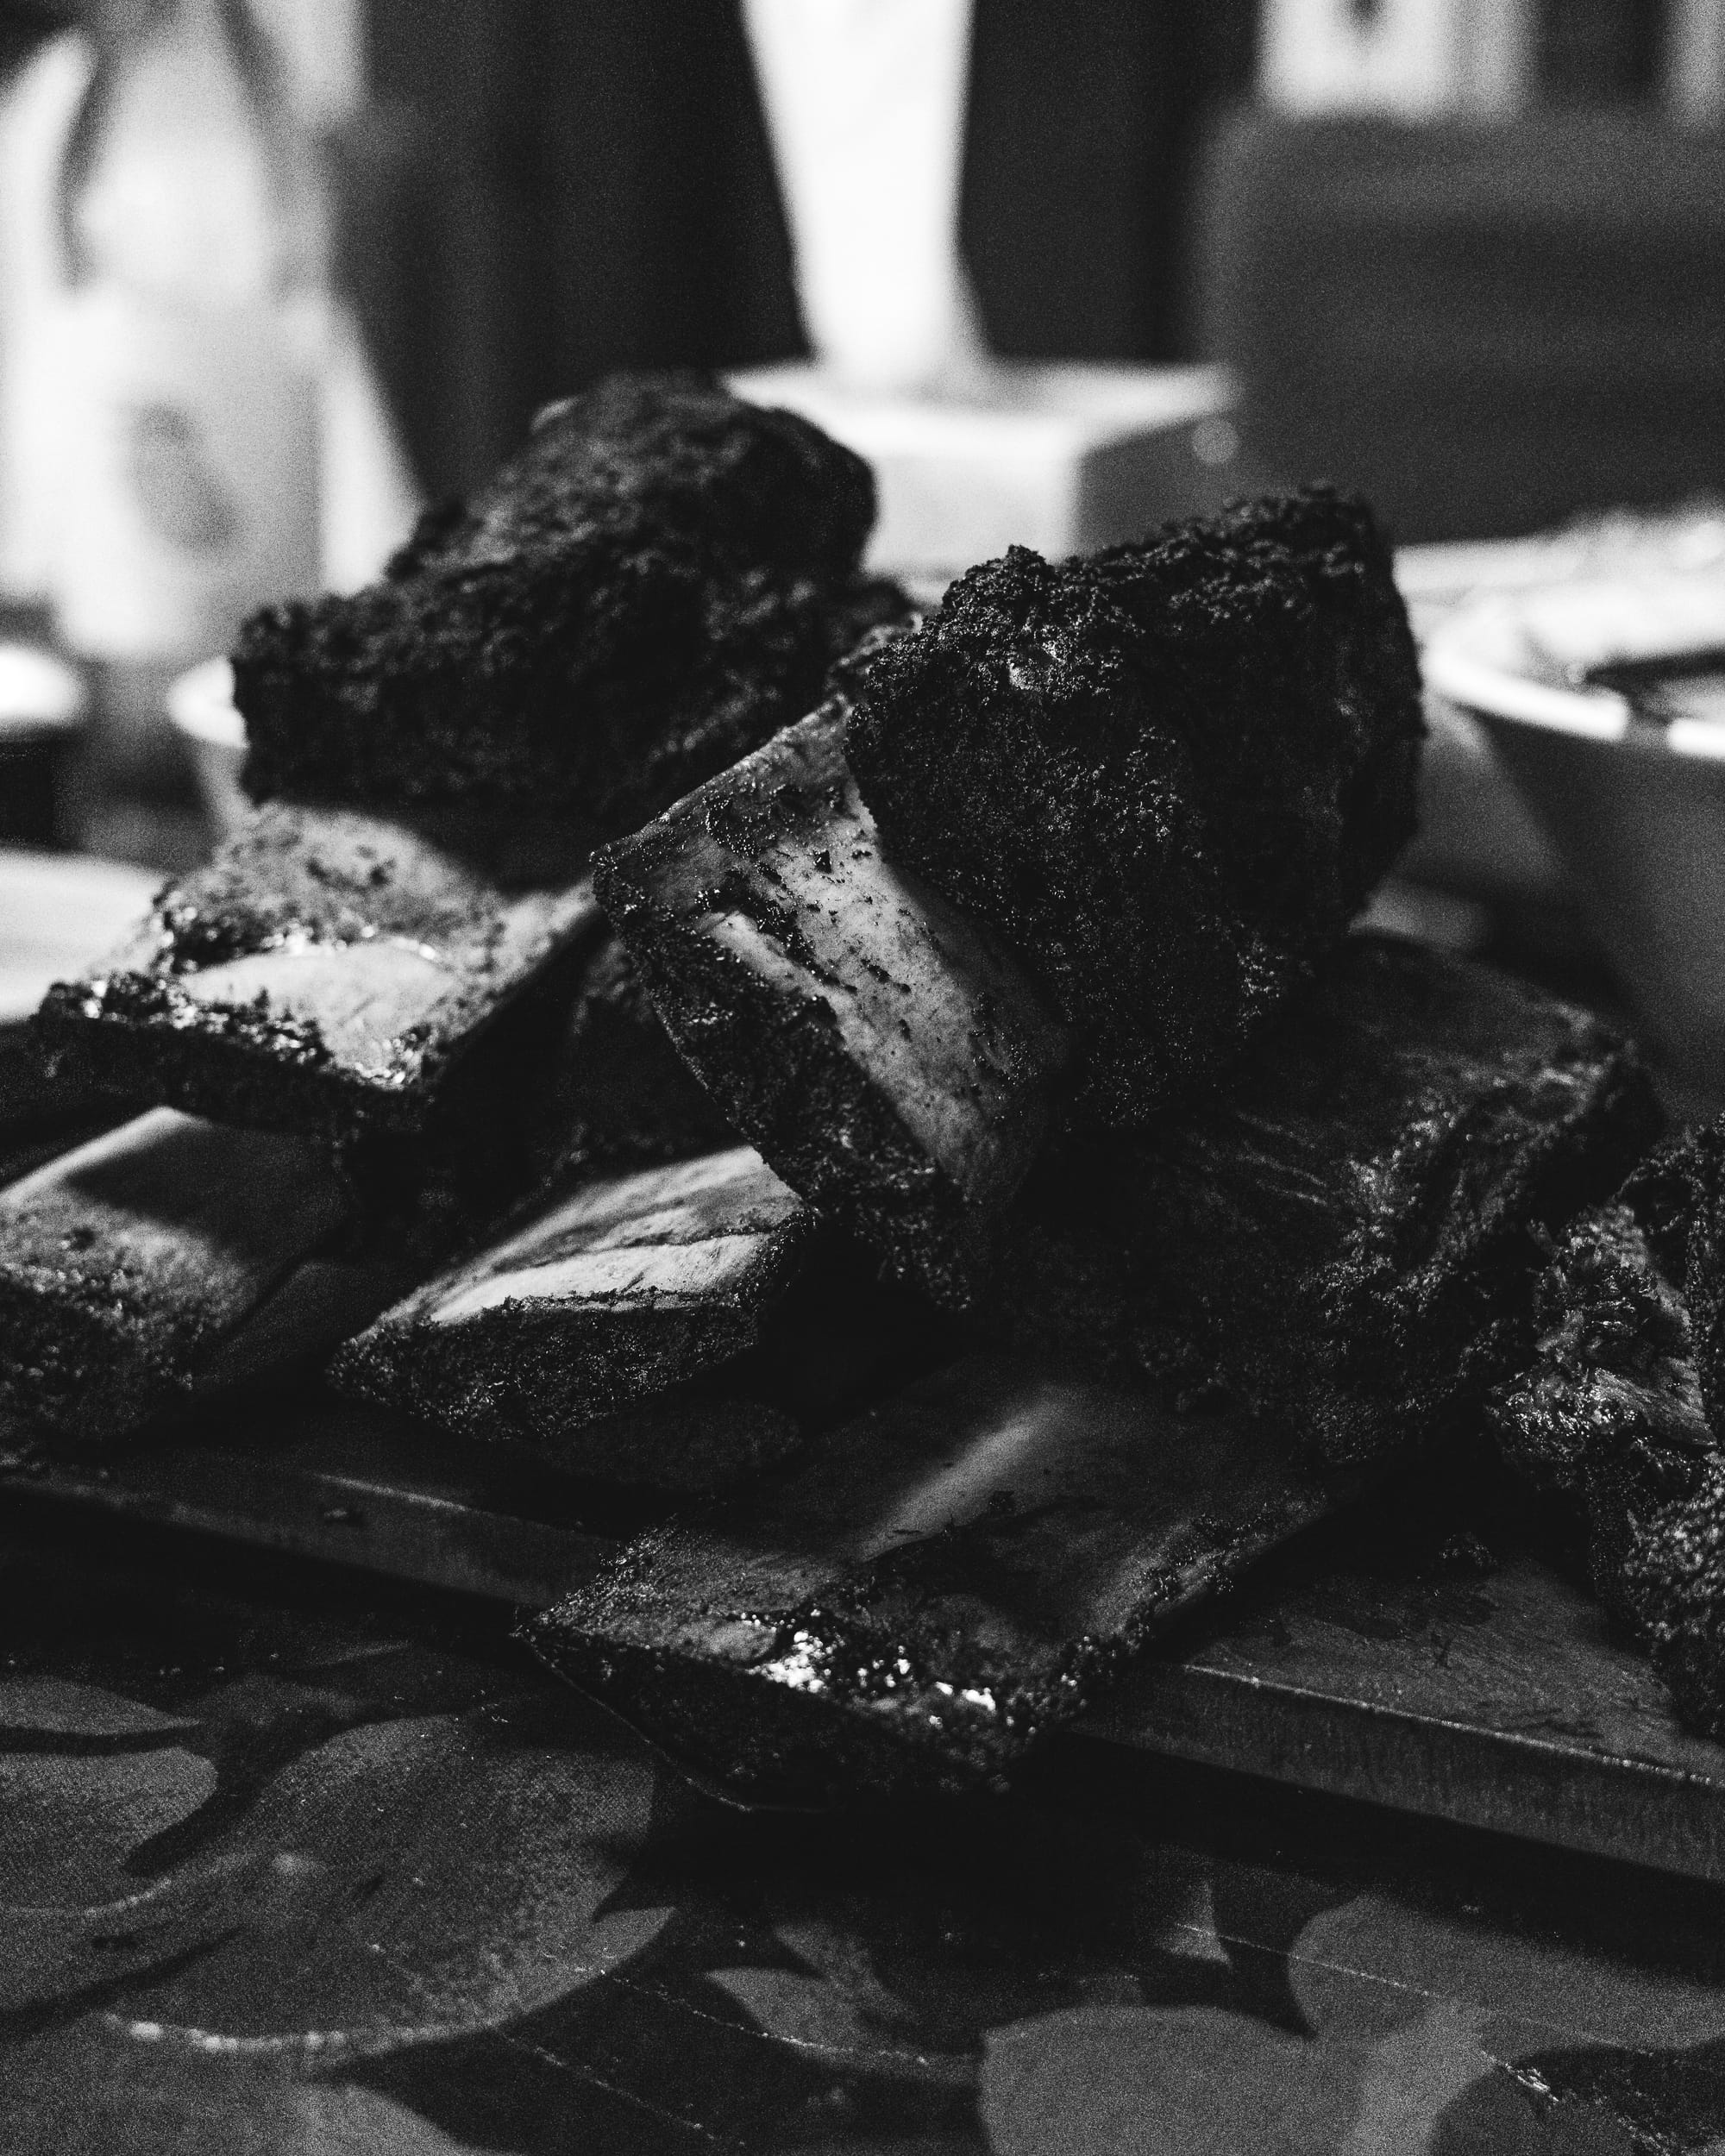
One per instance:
(1604, 700)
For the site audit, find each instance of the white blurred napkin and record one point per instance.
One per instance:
(865, 100)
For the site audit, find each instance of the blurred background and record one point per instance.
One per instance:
(1488, 318)
(1467, 256)
(1445, 290)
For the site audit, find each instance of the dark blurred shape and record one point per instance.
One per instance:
(1483, 329)
(652, 586)
(387, 260)
(1598, 52)
(31, 783)
(1084, 121)
(667, 232)
(465, 228)
(593, 190)
(25, 23)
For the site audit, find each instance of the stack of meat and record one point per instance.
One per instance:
(984, 992)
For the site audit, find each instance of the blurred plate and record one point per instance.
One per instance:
(1435, 579)
(58, 914)
(39, 693)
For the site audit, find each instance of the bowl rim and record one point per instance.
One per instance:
(1456, 666)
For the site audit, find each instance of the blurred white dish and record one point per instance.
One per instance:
(58, 913)
(39, 693)
(201, 705)
(1635, 807)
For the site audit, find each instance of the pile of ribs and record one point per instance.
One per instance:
(905, 1095)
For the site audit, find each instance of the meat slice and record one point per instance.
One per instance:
(39, 1117)
(889, 1056)
(1347, 1238)
(1242, 1316)
(622, 1093)
(1166, 775)
(659, 581)
(559, 1084)
(654, 585)
(632, 1283)
(937, 1587)
(328, 971)
(1617, 1415)
(1062, 852)
(126, 1264)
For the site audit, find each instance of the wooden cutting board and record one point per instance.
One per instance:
(1498, 1700)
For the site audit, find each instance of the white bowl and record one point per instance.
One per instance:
(201, 706)
(1634, 808)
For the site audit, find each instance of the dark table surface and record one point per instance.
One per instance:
(293, 1861)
